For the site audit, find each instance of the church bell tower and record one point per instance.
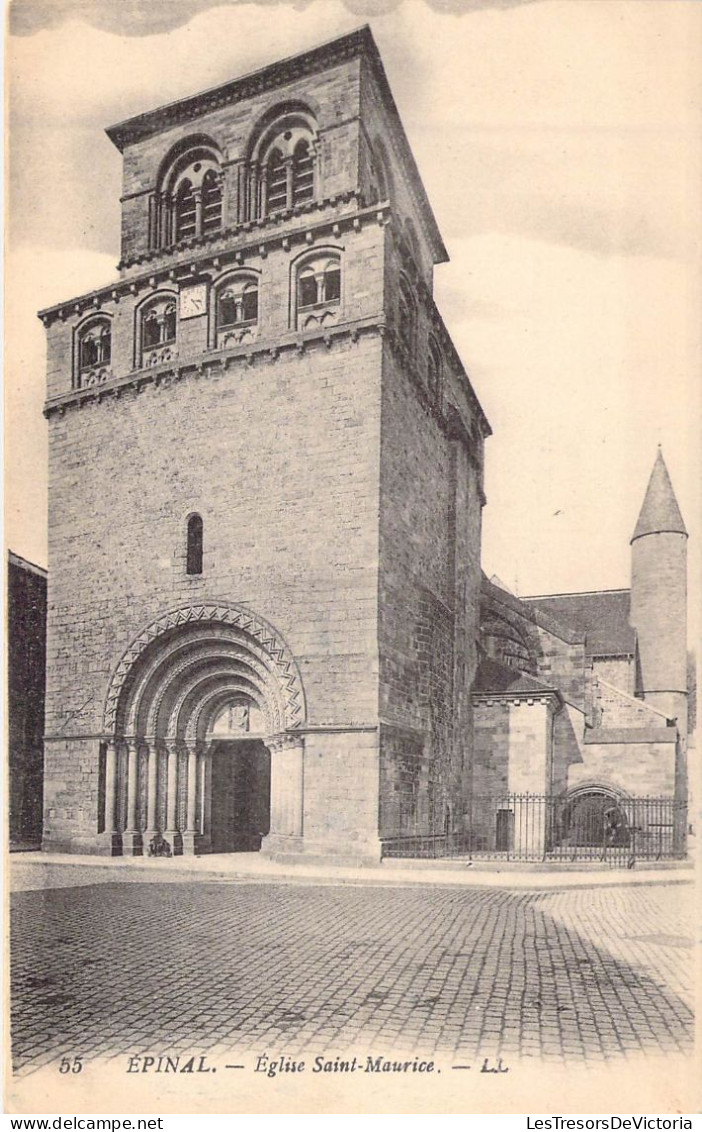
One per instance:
(265, 487)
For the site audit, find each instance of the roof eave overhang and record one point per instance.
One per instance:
(271, 76)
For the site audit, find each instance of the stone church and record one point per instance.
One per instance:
(267, 621)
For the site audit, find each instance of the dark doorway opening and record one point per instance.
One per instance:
(241, 795)
(595, 819)
(504, 831)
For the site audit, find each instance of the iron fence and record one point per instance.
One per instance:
(590, 825)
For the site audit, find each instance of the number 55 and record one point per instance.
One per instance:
(68, 1066)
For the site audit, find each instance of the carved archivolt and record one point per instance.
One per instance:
(159, 670)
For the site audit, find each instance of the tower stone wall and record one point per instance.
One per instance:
(659, 598)
(329, 447)
(659, 612)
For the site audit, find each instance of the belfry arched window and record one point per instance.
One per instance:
(195, 531)
(94, 352)
(282, 171)
(318, 289)
(158, 330)
(188, 202)
(236, 314)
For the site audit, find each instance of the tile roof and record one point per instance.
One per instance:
(602, 617)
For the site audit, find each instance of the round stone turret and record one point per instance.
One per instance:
(659, 597)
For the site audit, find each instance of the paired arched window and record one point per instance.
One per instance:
(236, 310)
(317, 288)
(94, 352)
(188, 201)
(158, 330)
(193, 558)
(282, 165)
(289, 174)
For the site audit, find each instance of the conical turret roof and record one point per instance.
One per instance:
(660, 511)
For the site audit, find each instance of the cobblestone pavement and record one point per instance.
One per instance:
(212, 968)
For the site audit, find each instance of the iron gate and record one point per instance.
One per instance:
(590, 825)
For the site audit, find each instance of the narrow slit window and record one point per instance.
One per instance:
(194, 552)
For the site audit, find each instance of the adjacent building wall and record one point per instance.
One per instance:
(26, 664)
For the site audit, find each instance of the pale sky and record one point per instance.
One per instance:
(559, 143)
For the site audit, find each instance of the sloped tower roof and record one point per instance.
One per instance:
(660, 511)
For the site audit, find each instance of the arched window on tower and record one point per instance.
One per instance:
(158, 330)
(318, 290)
(237, 309)
(94, 352)
(189, 195)
(195, 544)
(282, 164)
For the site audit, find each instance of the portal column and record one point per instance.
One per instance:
(287, 794)
(171, 833)
(152, 829)
(111, 837)
(204, 817)
(190, 833)
(131, 838)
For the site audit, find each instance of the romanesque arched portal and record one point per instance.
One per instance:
(192, 678)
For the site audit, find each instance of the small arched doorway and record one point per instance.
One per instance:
(595, 818)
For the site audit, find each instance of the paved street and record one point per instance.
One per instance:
(104, 969)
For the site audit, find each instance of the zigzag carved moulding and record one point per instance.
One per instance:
(248, 623)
